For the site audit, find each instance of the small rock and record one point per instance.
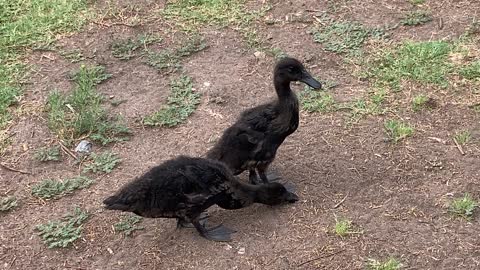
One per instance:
(110, 251)
(206, 84)
(260, 55)
(228, 247)
(84, 147)
(241, 251)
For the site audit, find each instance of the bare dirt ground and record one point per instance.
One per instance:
(397, 194)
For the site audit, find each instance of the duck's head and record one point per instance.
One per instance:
(274, 194)
(290, 70)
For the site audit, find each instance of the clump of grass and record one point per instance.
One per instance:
(48, 154)
(104, 162)
(128, 225)
(28, 24)
(425, 62)
(181, 103)
(464, 206)
(81, 113)
(416, 18)
(317, 101)
(397, 130)
(416, 2)
(7, 203)
(50, 188)
(344, 227)
(343, 36)
(62, 233)
(371, 105)
(390, 264)
(124, 49)
(191, 14)
(471, 71)
(73, 56)
(463, 137)
(169, 60)
(419, 102)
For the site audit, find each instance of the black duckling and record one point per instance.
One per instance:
(252, 141)
(184, 187)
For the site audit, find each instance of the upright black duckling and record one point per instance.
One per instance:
(252, 141)
(184, 187)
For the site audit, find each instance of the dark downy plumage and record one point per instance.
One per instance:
(251, 143)
(184, 187)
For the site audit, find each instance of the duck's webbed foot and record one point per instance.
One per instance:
(218, 233)
(202, 219)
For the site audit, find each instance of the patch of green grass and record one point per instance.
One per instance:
(344, 227)
(425, 62)
(7, 203)
(169, 60)
(62, 233)
(463, 137)
(25, 25)
(419, 102)
(128, 225)
(181, 103)
(191, 14)
(390, 264)
(463, 207)
(50, 188)
(48, 154)
(476, 108)
(343, 36)
(397, 130)
(471, 71)
(80, 113)
(371, 105)
(416, 2)
(416, 18)
(277, 53)
(317, 101)
(73, 56)
(124, 49)
(104, 162)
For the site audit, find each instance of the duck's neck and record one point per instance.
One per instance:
(282, 87)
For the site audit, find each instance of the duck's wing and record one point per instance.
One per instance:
(260, 117)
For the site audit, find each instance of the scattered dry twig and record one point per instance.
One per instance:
(322, 257)
(67, 151)
(459, 147)
(13, 170)
(340, 202)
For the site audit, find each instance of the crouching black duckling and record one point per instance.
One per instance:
(251, 143)
(184, 187)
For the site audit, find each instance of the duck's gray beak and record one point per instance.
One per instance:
(310, 81)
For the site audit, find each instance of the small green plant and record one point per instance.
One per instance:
(463, 137)
(50, 188)
(397, 130)
(62, 233)
(343, 227)
(7, 203)
(471, 71)
(317, 101)
(73, 56)
(169, 60)
(425, 62)
(181, 103)
(416, 18)
(128, 224)
(419, 102)
(390, 264)
(416, 2)
(48, 154)
(81, 114)
(343, 37)
(124, 49)
(463, 207)
(104, 162)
